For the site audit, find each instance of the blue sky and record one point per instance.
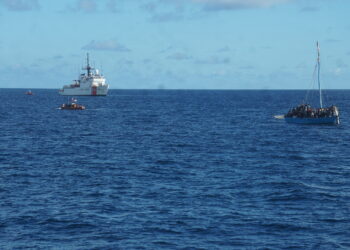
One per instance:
(175, 44)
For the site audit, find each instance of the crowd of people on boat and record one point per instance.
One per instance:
(72, 106)
(306, 111)
(76, 84)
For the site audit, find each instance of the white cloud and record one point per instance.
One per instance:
(167, 17)
(238, 4)
(87, 5)
(179, 9)
(214, 60)
(20, 5)
(224, 49)
(220, 72)
(340, 63)
(105, 45)
(337, 71)
(309, 9)
(215, 5)
(112, 6)
(179, 56)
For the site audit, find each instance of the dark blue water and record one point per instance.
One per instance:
(172, 170)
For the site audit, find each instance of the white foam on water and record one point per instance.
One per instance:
(279, 116)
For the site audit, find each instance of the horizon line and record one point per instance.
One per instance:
(164, 89)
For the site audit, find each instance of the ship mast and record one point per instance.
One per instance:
(318, 73)
(88, 68)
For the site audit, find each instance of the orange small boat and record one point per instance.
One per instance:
(72, 106)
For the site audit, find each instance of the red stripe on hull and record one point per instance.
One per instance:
(94, 91)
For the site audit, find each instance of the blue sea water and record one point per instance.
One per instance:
(168, 169)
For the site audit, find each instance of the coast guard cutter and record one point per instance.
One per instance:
(91, 83)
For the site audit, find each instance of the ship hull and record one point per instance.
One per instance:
(93, 91)
(320, 120)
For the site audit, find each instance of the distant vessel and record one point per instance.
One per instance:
(90, 84)
(305, 114)
(29, 92)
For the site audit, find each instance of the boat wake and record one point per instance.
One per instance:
(279, 116)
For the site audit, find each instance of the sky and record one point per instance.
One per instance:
(175, 44)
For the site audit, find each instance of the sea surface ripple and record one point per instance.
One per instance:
(171, 169)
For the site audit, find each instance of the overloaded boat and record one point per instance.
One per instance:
(90, 84)
(73, 105)
(305, 114)
(29, 92)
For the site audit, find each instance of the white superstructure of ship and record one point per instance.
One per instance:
(91, 83)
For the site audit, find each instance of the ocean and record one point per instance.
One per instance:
(172, 169)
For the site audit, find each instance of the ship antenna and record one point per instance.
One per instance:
(88, 64)
(318, 73)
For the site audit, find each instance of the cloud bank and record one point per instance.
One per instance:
(214, 60)
(110, 45)
(88, 6)
(213, 5)
(20, 5)
(175, 10)
(179, 56)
